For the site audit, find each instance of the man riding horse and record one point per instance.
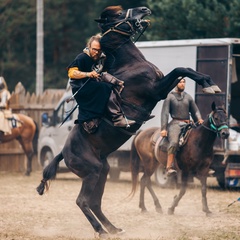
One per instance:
(94, 92)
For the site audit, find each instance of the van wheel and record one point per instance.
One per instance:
(162, 179)
(47, 158)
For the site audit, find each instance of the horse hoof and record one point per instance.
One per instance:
(144, 211)
(208, 90)
(27, 174)
(170, 211)
(208, 214)
(103, 234)
(120, 231)
(216, 89)
(159, 210)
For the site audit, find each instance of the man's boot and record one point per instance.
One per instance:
(170, 162)
(115, 112)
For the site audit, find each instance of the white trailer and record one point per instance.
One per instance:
(219, 58)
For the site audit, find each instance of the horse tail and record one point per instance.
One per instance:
(49, 173)
(35, 139)
(135, 166)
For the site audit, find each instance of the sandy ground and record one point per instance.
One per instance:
(26, 215)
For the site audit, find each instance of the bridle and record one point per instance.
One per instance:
(213, 126)
(127, 20)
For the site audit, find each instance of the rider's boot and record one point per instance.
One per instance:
(170, 163)
(119, 120)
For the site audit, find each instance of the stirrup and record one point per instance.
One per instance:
(91, 126)
(171, 171)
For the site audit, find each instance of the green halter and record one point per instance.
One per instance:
(214, 127)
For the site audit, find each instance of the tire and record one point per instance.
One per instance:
(162, 180)
(114, 174)
(47, 157)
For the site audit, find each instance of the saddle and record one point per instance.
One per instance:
(8, 121)
(161, 143)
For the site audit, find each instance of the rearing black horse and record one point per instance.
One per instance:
(86, 154)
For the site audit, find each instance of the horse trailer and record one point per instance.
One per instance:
(219, 58)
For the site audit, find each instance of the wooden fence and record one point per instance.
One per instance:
(12, 157)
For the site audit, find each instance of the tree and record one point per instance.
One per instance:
(68, 25)
(189, 19)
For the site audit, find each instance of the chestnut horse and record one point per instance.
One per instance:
(86, 154)
(26, 133)
(194, 157)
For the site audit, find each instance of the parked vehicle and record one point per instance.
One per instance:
(220, 58)
(52, 135)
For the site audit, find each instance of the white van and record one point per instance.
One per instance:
(53, 133)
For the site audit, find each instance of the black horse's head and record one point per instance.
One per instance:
(219, 121)
(126, 22)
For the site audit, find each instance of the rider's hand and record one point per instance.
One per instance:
(93, 74)
(200, 121)
(163, 133)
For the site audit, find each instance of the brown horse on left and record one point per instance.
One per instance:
(26, 132)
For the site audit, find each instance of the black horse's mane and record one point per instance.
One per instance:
(110, 11)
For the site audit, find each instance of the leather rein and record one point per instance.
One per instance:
(126, 20)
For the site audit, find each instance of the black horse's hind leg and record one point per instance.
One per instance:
(146, 182)
(178, 197)
(84, 198)
(204, 195)
(95, 202)
(173, 78)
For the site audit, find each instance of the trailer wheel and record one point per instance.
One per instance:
(162, 179)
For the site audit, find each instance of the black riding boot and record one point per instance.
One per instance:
(119, 120)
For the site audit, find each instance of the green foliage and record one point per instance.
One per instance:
(191, 19)
(68, 25)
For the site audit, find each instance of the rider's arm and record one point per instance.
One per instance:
(74, 73)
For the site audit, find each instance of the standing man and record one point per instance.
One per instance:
(4, 104)
(94, 97)
(4, 94)
(179, 105)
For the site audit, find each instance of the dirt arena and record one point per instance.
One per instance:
(26, 215)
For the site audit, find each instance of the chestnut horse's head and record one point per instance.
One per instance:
(219, 121)
(126, 22)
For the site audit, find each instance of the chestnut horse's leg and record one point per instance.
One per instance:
(95, 202)
(205, 208)
(142, 192)
(146, 182)
(178, 197)
(155, 199)
(28, 150)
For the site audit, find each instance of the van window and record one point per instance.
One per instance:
(63, 111)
